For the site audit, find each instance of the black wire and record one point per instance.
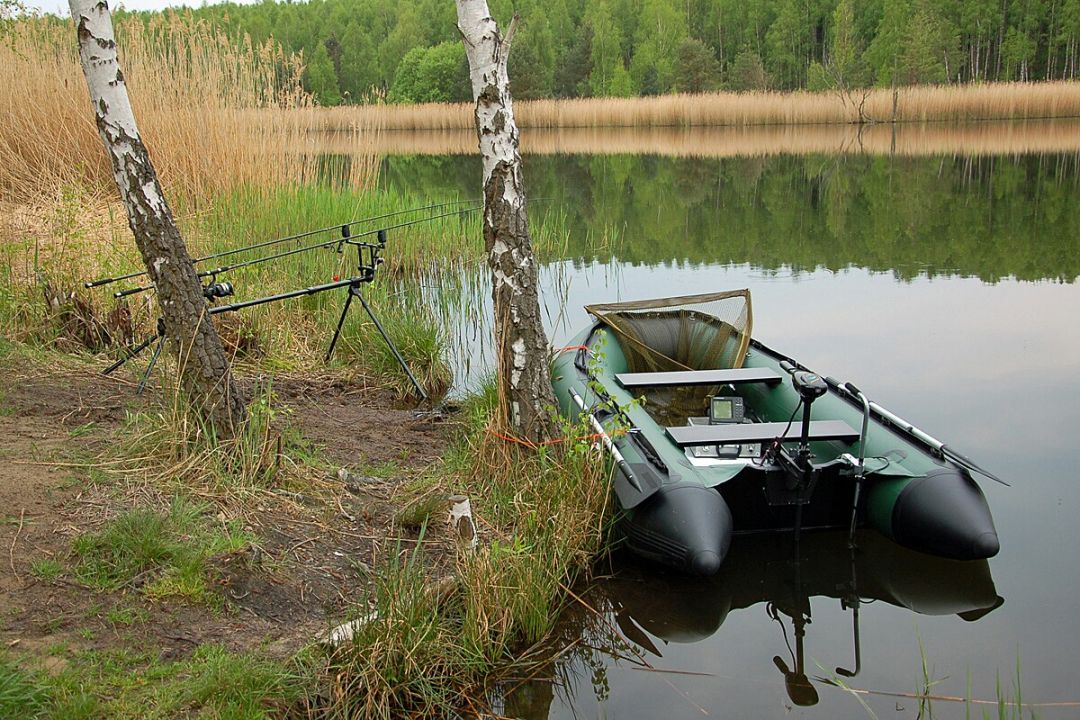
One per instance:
(776, 441)
(790, 420)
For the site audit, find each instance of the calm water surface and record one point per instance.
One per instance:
(945, 287)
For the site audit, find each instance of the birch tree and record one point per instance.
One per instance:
(205, 374)
(521, 345)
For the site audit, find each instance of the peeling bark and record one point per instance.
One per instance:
(205, 373)
(521, 345)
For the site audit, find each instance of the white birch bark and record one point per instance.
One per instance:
(521, 345)
(204, 366)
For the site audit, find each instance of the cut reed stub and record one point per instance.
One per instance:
(461, 521)
(344, 634)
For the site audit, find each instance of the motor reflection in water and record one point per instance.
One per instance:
(643, 608)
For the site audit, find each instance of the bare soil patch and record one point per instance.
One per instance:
(309, 565)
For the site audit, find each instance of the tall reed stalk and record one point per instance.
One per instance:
(216, 112)
(995, 101)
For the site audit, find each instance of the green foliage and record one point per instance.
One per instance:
(320, 79)
(167, 552)
(532, 62)
(46, 568)
(747, 73)
(427, 645)
(576, 47)
(437, 74)
(21, 695)
(696, 69)
(125, 685)
(605, 54)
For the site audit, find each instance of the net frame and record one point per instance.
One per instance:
(642, 357)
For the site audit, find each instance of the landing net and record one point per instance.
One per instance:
(692, 332)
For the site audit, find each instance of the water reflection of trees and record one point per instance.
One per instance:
(989, 217)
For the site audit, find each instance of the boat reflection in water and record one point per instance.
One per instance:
(649, 605)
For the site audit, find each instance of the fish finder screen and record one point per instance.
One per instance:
(721, 409)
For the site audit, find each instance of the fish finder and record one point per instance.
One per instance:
(724, 409)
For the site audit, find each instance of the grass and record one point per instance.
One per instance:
(165, 552)
(430, 648)
(123, 684)
(21, 695)
(921, 103)
(46, 568)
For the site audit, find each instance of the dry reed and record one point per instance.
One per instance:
(215, 112)
(912, 139)
(997, 101)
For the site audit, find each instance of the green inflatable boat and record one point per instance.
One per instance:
(713, 433)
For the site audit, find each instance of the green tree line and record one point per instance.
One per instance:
(409, 50)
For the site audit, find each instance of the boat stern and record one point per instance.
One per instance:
(687, 526)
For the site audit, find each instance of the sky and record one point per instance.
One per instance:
(60, 7)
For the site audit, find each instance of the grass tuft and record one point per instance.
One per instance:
(21, 695)
(165, 554)
(430, 647)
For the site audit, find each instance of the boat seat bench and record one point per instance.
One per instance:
(698, 377)
(733, 433)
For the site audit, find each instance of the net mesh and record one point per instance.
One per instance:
(692, 332)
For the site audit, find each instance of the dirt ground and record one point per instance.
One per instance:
(307, 567)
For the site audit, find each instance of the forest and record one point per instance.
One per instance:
(359, 51)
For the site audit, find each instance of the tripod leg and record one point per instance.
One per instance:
(393, 348)
(150, 366)
(131, 353)
(340, 323)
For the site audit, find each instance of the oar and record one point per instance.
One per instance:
(920, 435)
(620, 461)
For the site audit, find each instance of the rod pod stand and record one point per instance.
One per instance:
(160, 337)
(354, 291)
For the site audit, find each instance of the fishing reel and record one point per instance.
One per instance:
(217, 290)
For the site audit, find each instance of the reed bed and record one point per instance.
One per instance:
(995, 101)
(195, 93)
(913, 139)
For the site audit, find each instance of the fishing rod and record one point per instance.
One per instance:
(346, 239)
(299, 236)
(369, 257)
(909, 430)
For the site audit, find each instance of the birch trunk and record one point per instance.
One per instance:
(521, 345)
(205, 374)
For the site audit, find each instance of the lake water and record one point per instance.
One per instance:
(945, 286)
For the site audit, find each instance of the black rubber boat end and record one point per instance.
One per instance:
(705, 563)
(945, 514)
(683, 526)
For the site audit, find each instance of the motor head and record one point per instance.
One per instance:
(810, 385)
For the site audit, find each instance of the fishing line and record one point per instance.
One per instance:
(309, 233)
